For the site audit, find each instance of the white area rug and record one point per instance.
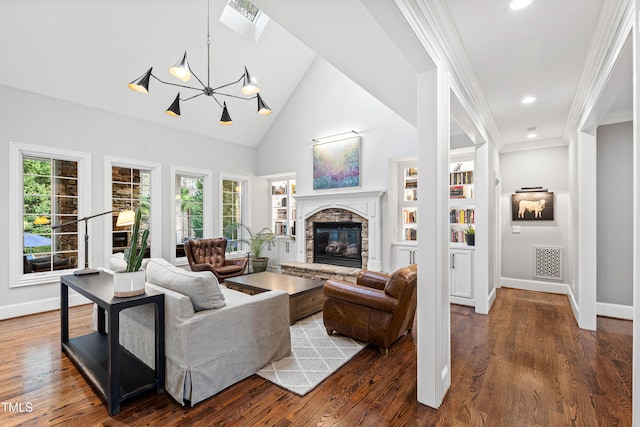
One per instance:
(314, 356)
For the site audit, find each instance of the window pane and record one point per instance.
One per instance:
(231, 212)
(244, 8)
(189, 208)
(131, 189)
(45, 249)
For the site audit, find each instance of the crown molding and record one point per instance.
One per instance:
(432, 23)
(533, 145)
(614, 25)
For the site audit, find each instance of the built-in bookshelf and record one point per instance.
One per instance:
(461, 202)
(283, 206)
(409, 204)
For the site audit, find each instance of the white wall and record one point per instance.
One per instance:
(326, 103)
(615, 208)
(546, 168)
(39, 120)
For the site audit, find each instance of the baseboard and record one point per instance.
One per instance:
(39, 306)
(492, 299)
(573, 303)
(617, 311)
(535, 285)
(462, 301)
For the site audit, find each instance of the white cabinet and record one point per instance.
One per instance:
(281, 249)
(461, 276)
(403, 254)
(286, 250)
(271, 250)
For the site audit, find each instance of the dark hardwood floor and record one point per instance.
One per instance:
(525, 364)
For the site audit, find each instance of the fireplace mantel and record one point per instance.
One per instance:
(364, 203)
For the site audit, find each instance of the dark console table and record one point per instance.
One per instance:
(113, 371)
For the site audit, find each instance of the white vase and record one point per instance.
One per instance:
(128, 284)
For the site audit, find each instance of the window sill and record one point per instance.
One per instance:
(35, 279)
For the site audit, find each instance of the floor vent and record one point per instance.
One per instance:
(547, 262)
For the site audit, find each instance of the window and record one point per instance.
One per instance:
(244, 8)
(129, 184)
(189, 210)
(131, 189)
(49, 187)
(233, 211)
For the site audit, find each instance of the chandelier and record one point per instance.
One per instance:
(183, 72)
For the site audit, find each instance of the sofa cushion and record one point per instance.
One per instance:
(200, 286)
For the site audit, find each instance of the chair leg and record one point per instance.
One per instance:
(329, 331)
(384, 351)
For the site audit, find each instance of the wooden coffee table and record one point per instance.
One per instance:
(306, 296)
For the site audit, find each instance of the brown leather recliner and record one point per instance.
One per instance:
(379, 309)
(209, 255)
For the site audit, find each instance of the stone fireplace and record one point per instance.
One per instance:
(363, 208)
(337, 237)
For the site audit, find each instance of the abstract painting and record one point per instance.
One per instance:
(336, 164)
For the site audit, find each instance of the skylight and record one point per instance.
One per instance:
(244, 8)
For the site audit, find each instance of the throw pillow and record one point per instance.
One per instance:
(200, 286)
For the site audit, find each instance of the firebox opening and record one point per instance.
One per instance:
(338, 243)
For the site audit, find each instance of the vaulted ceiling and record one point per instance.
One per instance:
(86, 52)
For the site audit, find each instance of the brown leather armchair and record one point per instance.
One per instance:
(379, 309)
(209, 255)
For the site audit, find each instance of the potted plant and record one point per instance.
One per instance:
(255, 241)
(130, 282)
(470, 235)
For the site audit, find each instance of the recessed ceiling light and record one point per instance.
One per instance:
(528, 99)
(519, 4)
(532, 135)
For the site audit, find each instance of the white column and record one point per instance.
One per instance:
(587, 231)
(481, 261)
(636, 219)
(433, 332)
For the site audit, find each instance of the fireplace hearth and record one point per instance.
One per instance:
(338, 243)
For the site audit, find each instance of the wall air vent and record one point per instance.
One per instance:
(547, 262)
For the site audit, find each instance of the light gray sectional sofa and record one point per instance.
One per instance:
(207, 349)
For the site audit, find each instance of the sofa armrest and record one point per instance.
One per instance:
(360, 295)
(372, 279)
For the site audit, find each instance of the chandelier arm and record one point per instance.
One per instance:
(228, 84)
(175, 84)
(216, 99)
(198, 78)
(191, 97)
(235, 96)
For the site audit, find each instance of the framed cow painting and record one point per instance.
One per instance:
(532, 206)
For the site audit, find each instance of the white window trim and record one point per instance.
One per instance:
(247, 208)
(155, 170)
(17, 151)
(243, 26)
(206, 176)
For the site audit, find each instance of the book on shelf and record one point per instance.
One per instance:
(411, 171)
(410, 216)
(457, 236)
(460, 192)
(410, 234)
(411, 183)
(462, 216)
(461, 178)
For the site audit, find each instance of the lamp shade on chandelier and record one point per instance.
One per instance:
(181, 71)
